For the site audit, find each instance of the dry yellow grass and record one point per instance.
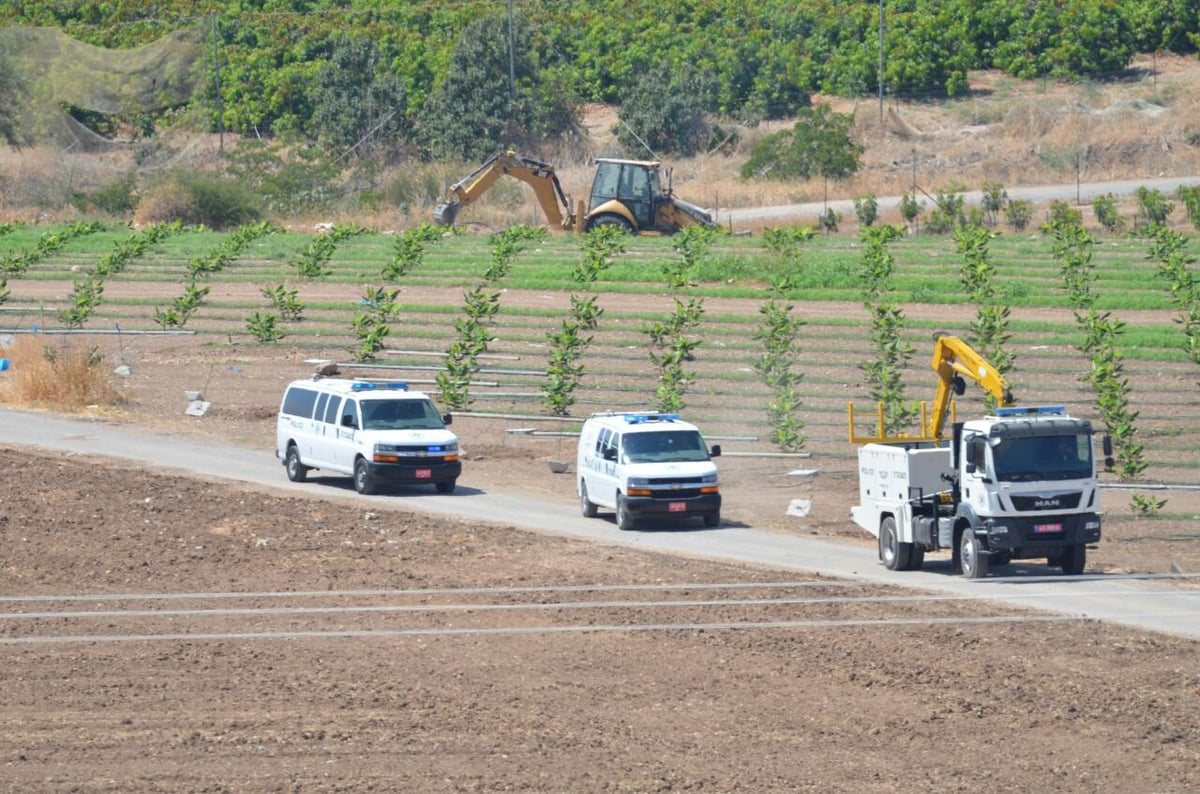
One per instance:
(69, 376)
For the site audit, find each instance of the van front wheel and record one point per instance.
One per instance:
(364, 483)
(624, 517)
(296, 471)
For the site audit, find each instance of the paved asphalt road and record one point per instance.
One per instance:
(1082, 193)
(1150, 602)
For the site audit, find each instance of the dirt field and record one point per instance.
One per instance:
(163, 633)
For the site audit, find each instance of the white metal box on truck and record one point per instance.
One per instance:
(889, 476)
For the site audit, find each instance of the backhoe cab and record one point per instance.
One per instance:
(628, 194)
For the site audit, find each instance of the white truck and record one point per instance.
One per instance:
(1019, 484)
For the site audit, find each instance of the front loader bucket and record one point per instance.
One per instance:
(445, 214)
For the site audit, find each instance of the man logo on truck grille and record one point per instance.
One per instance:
(1044, 504)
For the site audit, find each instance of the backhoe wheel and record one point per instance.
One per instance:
(612, 220)
(893, 553)
(1074, 558)
(970, 553)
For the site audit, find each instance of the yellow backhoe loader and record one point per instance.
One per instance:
(625, 193)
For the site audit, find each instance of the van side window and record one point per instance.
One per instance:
(331, 412)
(299, 402)
(320, 412)
(607, 448)
(349, 414)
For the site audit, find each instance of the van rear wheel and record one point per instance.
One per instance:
(364, 483)
(586, 506)
(296, 471)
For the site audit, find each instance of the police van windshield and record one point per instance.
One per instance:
(664, 446)
(1066, 457)
(385, 414)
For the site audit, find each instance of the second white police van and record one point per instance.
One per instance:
(646, 464)
(376, 431)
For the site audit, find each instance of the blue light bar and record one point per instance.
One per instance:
(364, 385)
(637, 419)
(1032, 410)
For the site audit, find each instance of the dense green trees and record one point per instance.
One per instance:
(326, 68)
(11, 88)
(492, 95)
(357, 105)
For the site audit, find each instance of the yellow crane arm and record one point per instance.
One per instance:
(954, 360)
(538, 175)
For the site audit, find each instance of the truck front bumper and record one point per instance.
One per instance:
(1044, 532)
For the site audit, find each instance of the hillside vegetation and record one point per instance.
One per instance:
(348, 111)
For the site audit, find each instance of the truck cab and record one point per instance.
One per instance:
(1027, 487)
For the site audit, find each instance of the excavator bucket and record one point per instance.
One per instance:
(445, 214)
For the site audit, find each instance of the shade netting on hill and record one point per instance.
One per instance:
(61, 72)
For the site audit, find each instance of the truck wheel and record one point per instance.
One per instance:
(296, 471)
(1074, 558)
(970, 552)
(364, 483)
(712, 519)
(586, 506)
(916, 558)
(894, 554)
(445, 486)
(624, 519)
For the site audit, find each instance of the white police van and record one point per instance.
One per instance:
(376, 431)
(646, 464)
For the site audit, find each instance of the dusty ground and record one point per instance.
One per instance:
(166, 633)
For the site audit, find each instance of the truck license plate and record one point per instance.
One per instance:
(677, 507)
(1043, 528)
(424, 474)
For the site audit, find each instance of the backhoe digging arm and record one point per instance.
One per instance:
(538, 175)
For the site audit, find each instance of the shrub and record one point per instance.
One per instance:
(117, 198)
(199, 199)
(167, 202)
(1019, 214)
(1107, 215)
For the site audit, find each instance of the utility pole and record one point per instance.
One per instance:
(880, 81)
(217, 82)
(512, 69)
